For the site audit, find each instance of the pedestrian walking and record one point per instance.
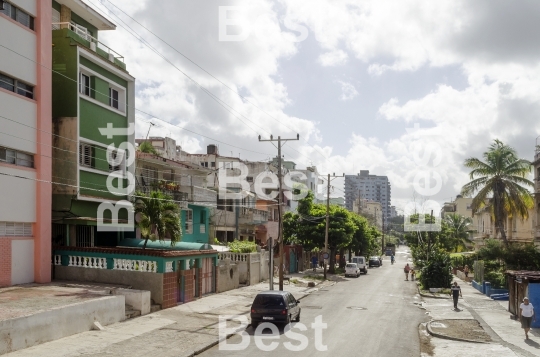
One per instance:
(455, 291)
(413, 275)
(527, 315)
(314, 262)
(406, 270)
(466, 271)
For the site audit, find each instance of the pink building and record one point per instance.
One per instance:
(25, 141)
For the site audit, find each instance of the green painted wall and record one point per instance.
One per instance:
(196, 236)
(90, 182)
(64, 76)
(92, 117)
(56, 6)
(89, 209)
(80, 21)
(94, 67)
(99, 89)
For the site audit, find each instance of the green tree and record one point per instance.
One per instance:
(459, 228)
(500, 178)
(158, 217)
(436, 272)
(147, 147)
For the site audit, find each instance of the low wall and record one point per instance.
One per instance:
(139, 299)
(478, 286)
(228, 277)
(152, 282)
(27, 331)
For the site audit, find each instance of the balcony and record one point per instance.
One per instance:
(80, 35)
(173, 190)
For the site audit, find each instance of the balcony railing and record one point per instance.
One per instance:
(95, 45)
(181, 198)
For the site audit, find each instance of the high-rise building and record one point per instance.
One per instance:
(368, 187)
(25, 141)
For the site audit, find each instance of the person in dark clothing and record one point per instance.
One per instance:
(314, 262)
(455, 291)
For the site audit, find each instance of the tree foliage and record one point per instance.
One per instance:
(500, 182)
(158, 217)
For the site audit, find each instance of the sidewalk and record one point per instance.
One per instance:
(184, 330)
(494, 324)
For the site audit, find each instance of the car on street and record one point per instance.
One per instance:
(276, 307)
(374, 262)
(361, 263)
(351, 269)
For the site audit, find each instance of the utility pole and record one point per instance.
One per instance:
(383, 247)
(280, 203)
(271, 262)
(328, 219)
(429, 235)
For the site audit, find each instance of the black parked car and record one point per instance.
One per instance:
(374, 262)
(276, 307)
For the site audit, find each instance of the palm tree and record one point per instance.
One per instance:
(459, 229)
(147, 147)
(500, 178)
(158, 217)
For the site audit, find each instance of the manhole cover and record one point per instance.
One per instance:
(311, 307)
(356, 308)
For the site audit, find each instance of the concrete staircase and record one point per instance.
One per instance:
(131, 312)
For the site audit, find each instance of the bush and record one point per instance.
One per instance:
(242, 247)
(496, 278)
(436, 271)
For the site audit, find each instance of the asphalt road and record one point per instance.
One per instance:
(373, 315)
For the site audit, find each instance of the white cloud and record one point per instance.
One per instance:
(348, 91)
(333, 58)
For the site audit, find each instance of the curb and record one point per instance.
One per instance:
(220, 339)
(435, 334)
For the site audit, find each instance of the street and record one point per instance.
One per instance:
(370, 315)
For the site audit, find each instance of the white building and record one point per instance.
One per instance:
(25, 141)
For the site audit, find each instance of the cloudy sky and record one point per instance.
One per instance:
(401, 88)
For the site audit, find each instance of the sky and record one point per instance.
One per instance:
(406, 89)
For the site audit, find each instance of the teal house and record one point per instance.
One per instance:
(195, 224)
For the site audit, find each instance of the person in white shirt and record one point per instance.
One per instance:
(527, 315)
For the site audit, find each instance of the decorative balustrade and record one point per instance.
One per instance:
(87, 262)
(168, 267)
(57, 260)
(144, 266)
(234, 257)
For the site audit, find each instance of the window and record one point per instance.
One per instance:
(16, 86)
(16, 157)
(17, 14)
(249, 179)
(117, 159)
(149, 175)
(15, 229)
(86, 155)
(85, 84)
(203, 217)
(189, 221)
(113, 98)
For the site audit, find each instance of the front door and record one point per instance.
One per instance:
(292, 262)
(207, 276)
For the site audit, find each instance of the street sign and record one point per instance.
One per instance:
(326, 256)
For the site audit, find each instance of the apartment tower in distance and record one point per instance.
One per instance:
(368, 187)
(25, 141)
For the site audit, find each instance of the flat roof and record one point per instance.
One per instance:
(89, 14)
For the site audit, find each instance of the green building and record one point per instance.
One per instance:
(91, 91)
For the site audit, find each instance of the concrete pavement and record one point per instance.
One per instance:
(507, 337)
(184, 330)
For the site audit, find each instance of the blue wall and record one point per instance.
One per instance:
(534, 298)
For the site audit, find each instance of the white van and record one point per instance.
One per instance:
(361, 263)
(351, 269)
